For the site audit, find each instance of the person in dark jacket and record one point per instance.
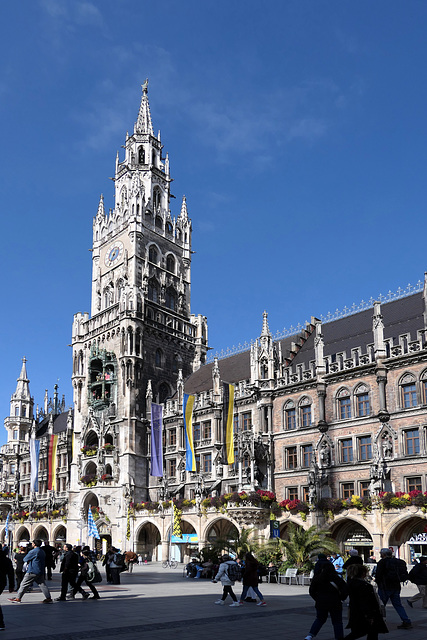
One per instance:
(51, 555)
(388, 581)
(3, 580)
(106, 563)
(418, 575)
(250, 579)
(87, 573)
(328, 590)
(35, 560)
(19, 566)
(69, 569)
(353, 559)
(321, 561)
(115, 567)
(365, 617)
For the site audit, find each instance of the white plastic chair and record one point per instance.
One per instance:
(291, 574)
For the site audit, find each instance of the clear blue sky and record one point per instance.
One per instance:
(296, 129)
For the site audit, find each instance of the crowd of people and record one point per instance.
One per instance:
(33, 563)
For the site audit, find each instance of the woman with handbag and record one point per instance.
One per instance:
(365, 617)
(88, 573)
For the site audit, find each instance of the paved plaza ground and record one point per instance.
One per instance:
(160, 603)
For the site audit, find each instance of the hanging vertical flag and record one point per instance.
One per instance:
(91, 526)
(34, 462)
(227, 422)
(70, 450)
(156, 440)
(177, 513)
(187, 412)
(6, 529)
(128, 526)
(51, 460)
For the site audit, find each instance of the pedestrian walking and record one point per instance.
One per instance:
(223, 576)
(353, 558)
(390, 573)
(328, 590)
(418, 575)
(19, 566)
(69, 570)
(36, 562)
(3, 581)
(250, 579)
(87, 573)
(337, 562)
(106, 563)
(130, 559)
(117, 565)
(365, 618)
(139, 559)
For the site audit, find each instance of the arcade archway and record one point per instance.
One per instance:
(148, 541)
(350, 534)
(409, 538)
(41, 533)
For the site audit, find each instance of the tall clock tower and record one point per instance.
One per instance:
(140, 334)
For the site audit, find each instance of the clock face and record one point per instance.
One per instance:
(114, 254)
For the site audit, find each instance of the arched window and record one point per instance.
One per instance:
(157, 198)
(170, 263)
(343, 404)
(159, 357)
(290, 415)
(163, 392)
(153, 290)
(363, 404)
(424, 387)
(153, 158)
(171, 298)
(119, 290)
(153, 254)
(141, 155)
(264, 370)
(305, 412)
(16, 411)
(159, 222)
(408, 391)
(123, 196)
(169, 228)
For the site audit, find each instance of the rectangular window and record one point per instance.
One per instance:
(364, 489)
(172, 436)
(235, 465)
(409, 395)
(292, 493)
(414, 484)
(307, 453)
(197, 462)
(246, 421)
(363, 405)
(305, 494)
(291, 419)
(236, 423)
(412, 442)
(172, 467)
(291, 458)
(206, 432)
(347, 450)
(207, 463)
(347, 490)
(196, 432)
(365, 448)
(306, 416)
(345, 408)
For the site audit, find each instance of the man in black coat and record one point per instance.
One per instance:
(51, 555)
(389, 574)
(69, 569)
(418, 575)
(353, 559)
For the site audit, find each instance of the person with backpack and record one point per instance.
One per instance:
(117, 565)
(87, 573)
(418, 575)
(390, 573)
(69, 570)
(228, 573)
(250, 579)
(328, 590)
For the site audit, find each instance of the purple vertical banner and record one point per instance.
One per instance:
(156, 440)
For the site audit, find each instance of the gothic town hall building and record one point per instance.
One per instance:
(330, 421)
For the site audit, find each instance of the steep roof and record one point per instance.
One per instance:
(59, 424)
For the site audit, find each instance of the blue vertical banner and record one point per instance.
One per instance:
(187, 412)
(274, 529)
(34, 462)
(156, 440)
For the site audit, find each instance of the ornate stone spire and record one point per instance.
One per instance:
(144, 124)
(184, 212)
(23, 388)
(101, 210)
(265, 329)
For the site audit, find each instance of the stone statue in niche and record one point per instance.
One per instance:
(325, 455)
(387, 446)
(258, 475)
(313, 474)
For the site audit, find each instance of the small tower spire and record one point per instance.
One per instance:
(265, 330)
(101, 210)
(184, 212)
(143, 123)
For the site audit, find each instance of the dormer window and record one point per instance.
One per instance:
(141, 155)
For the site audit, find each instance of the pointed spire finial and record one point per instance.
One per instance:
(265, 329)
(101, 210)
(143, 123)
(184, 212)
